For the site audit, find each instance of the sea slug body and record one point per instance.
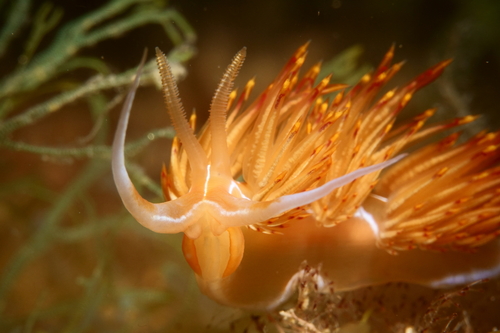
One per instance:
(298, 175)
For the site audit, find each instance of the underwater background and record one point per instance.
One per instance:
(73, 260)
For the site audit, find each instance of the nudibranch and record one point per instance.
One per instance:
(297, 175)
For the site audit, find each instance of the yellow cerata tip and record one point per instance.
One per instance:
(318, 172)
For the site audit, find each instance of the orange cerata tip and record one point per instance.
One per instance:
(296, 175)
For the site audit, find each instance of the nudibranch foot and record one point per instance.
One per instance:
(348, 256)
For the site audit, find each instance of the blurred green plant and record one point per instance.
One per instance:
(38, 73)
(346, 66)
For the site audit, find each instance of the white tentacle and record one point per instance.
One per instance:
(168, 217)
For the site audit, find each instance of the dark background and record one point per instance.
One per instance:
(424, 31)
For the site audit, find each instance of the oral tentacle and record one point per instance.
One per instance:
(239, 212)
(168, 217)
(131, 199)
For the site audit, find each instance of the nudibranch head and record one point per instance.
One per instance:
(296, 152)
